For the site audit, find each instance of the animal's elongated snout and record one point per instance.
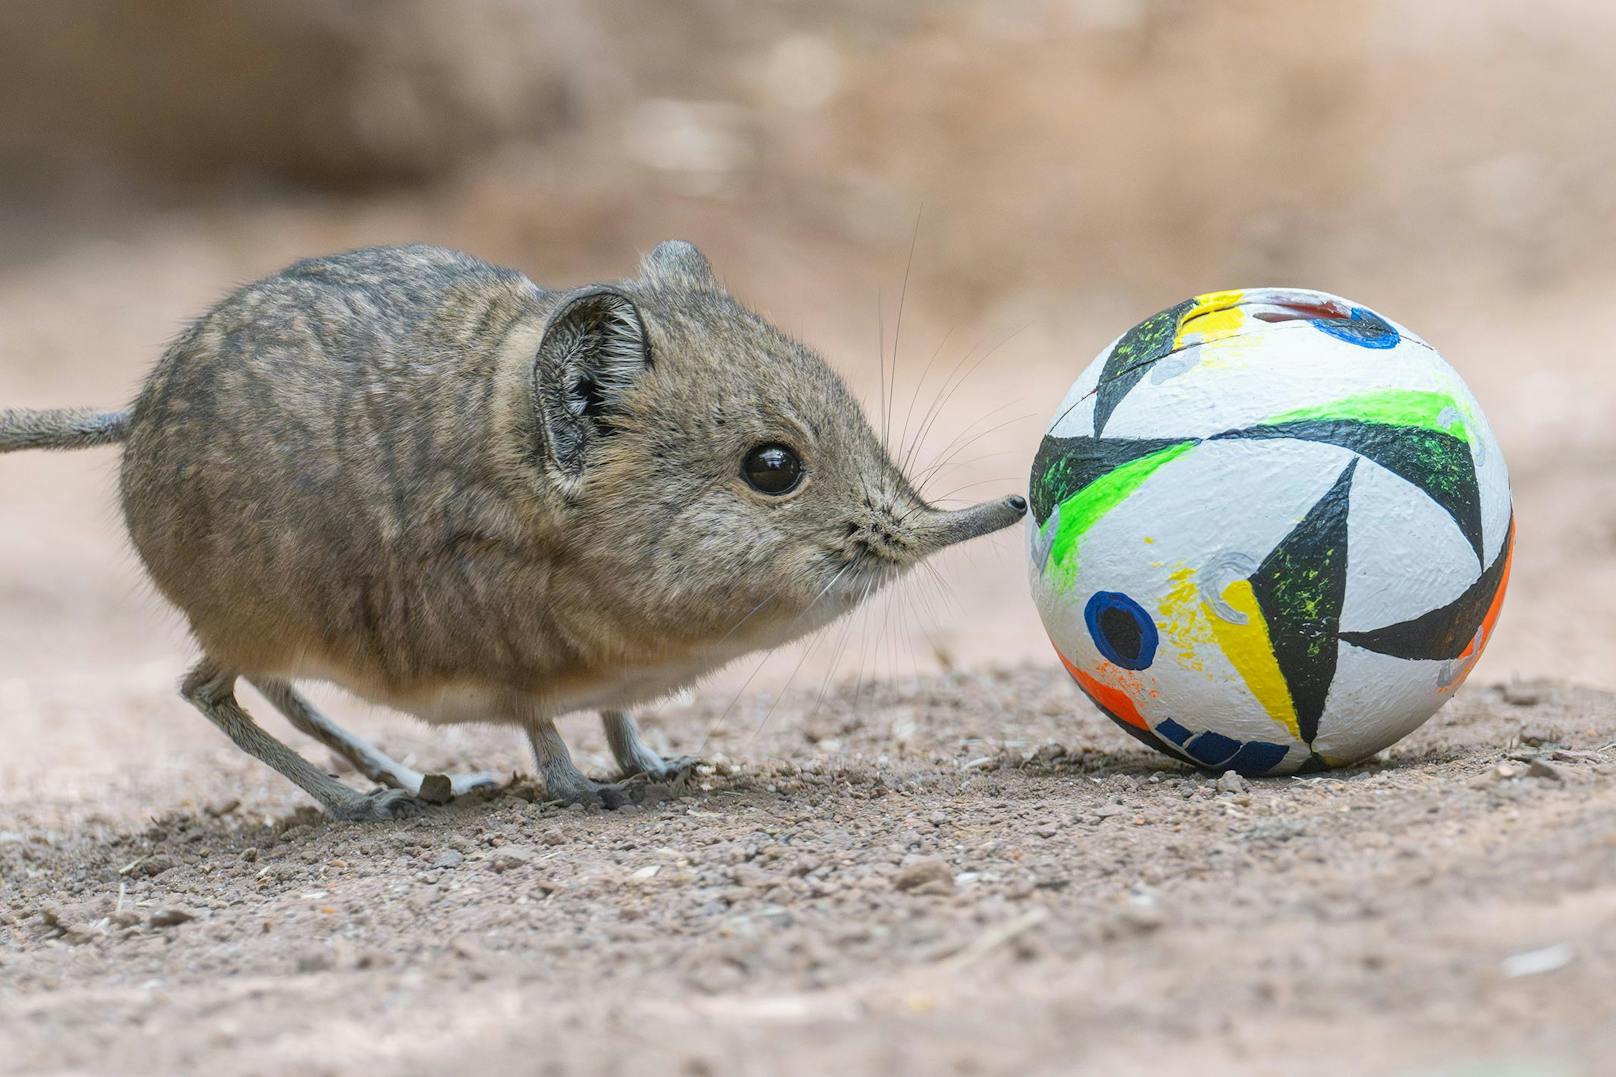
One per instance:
(934, 529)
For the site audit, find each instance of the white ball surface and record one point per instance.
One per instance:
(1270, 531)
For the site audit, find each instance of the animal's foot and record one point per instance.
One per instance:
(379, 805)
(592, 794)
(667, 771)
(608, 795)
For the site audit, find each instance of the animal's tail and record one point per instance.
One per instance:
(61, 428)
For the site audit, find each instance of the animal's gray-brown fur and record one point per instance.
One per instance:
(430, 481)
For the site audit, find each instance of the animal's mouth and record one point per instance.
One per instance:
(861, 576)
(851, 577)
(875, 542)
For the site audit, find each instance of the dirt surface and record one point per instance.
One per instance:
(915, 848)
(937, 876)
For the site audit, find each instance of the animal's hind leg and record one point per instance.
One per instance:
(212, 691)
(369, 760)
(634, 756)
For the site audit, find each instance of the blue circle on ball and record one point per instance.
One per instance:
(1121, 629)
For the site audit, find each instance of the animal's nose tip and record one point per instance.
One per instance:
(1017, 503)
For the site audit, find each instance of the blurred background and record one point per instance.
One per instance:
(1073, 165)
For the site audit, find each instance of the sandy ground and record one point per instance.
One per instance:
(948, 875)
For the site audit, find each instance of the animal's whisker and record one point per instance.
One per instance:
(975, 427)
(966, 438)
(906, 447)
(838, 652)
(966, 431)
(995, 480)
(947, 393)
(858, 681)
(933, 468)
(897, 331)
(929, 416)
(718, 724)
(786, 687)
(881, 372)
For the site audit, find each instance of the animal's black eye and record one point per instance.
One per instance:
(772, 469)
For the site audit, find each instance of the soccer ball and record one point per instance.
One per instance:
(1270, 531)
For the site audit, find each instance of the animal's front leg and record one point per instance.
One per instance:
(635, 757)
(562, 779)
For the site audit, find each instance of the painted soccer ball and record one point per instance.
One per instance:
(1270, 531)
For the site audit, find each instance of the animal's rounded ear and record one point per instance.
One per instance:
(677, 262)
(593, 351)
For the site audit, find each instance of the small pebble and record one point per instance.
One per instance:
(1537, 962)
(1141, 919)
(511, 856)
(918, 871)
(170, 917)
(1537, 768)
(436, 789)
